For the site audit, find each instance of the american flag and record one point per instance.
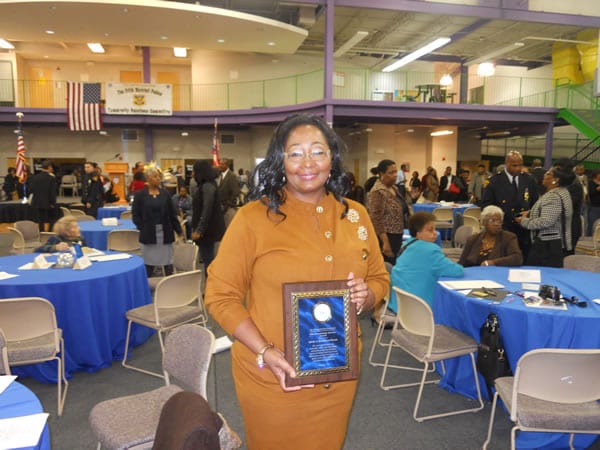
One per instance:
(215, 146)
(21, 161)
(83, 106)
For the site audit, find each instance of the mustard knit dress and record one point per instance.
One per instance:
(258, 253)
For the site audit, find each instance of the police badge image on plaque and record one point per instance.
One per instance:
(320, 332)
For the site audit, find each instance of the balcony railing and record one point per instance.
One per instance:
(348, 84)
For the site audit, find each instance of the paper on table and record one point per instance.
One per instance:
(221, 344)
(471, 284)
(6, 275)
(524, 276)
(5, 381)
(24, 431)
(112, 257)
(89, 251)
(110, 222)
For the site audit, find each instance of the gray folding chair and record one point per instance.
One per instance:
(587, 263)
(185, 259)
(31, 234)
(126, 214)
(385, 319)
(4, 366)
(177, 300)
(553, 390)
(416, 333)
(32, 336)
(6, 244)
(124, 241)
(131, 421)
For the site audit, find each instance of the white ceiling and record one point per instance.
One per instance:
(124, 26)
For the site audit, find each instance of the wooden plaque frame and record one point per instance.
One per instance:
(315, 297)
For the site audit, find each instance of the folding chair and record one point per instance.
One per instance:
(416, 333)
(173, 306)
(553, 390)
(131, 421)
(32, 336)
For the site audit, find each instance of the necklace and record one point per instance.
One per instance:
(487, 245)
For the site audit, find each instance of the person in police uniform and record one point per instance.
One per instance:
(513, 200)
(93, 191)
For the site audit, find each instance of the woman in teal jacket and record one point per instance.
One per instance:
(421, 261)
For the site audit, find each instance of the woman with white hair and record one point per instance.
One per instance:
(67, 235)
(493, 246)
(154, 215)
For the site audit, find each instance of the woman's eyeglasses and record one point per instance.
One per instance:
(314, 154)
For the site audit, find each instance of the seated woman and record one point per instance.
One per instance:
(67, 235)
(493, 246)
(421, 261)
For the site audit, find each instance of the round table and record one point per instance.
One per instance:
(15, 401)
(96, 234)
(523, 328)
(90, 308)
(112, 211)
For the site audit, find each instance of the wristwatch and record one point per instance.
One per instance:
(260, 360)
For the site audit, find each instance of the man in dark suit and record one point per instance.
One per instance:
(229, 189)
(93, 191)
(43, 189)
(514, 192)
(445, 182)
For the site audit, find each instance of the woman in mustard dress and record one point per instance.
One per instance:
(298, 229)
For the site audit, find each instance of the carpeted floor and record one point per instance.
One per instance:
(380, 420)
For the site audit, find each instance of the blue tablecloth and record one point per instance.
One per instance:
(111, 211)
(90, 308)
(96, 234)
(523, 329)
(17, 401)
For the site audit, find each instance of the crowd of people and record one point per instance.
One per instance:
(300, 217)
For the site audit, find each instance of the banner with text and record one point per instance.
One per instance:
(139, 99)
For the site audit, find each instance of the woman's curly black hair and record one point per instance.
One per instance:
(268, 179)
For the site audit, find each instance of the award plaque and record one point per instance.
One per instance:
(320, 332)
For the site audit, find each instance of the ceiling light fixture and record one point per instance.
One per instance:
(446, 80)
(95, 47)
(180, 52)
(5, 44)
(494, 54)
(486, 69)
(439, 42)
(441, 133)
(359, 36)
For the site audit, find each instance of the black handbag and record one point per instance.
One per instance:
(491, 357)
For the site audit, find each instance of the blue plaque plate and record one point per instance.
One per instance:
(320, 332)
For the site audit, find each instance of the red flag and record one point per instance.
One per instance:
(215, 146)
(83, 106)
(21, 161)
